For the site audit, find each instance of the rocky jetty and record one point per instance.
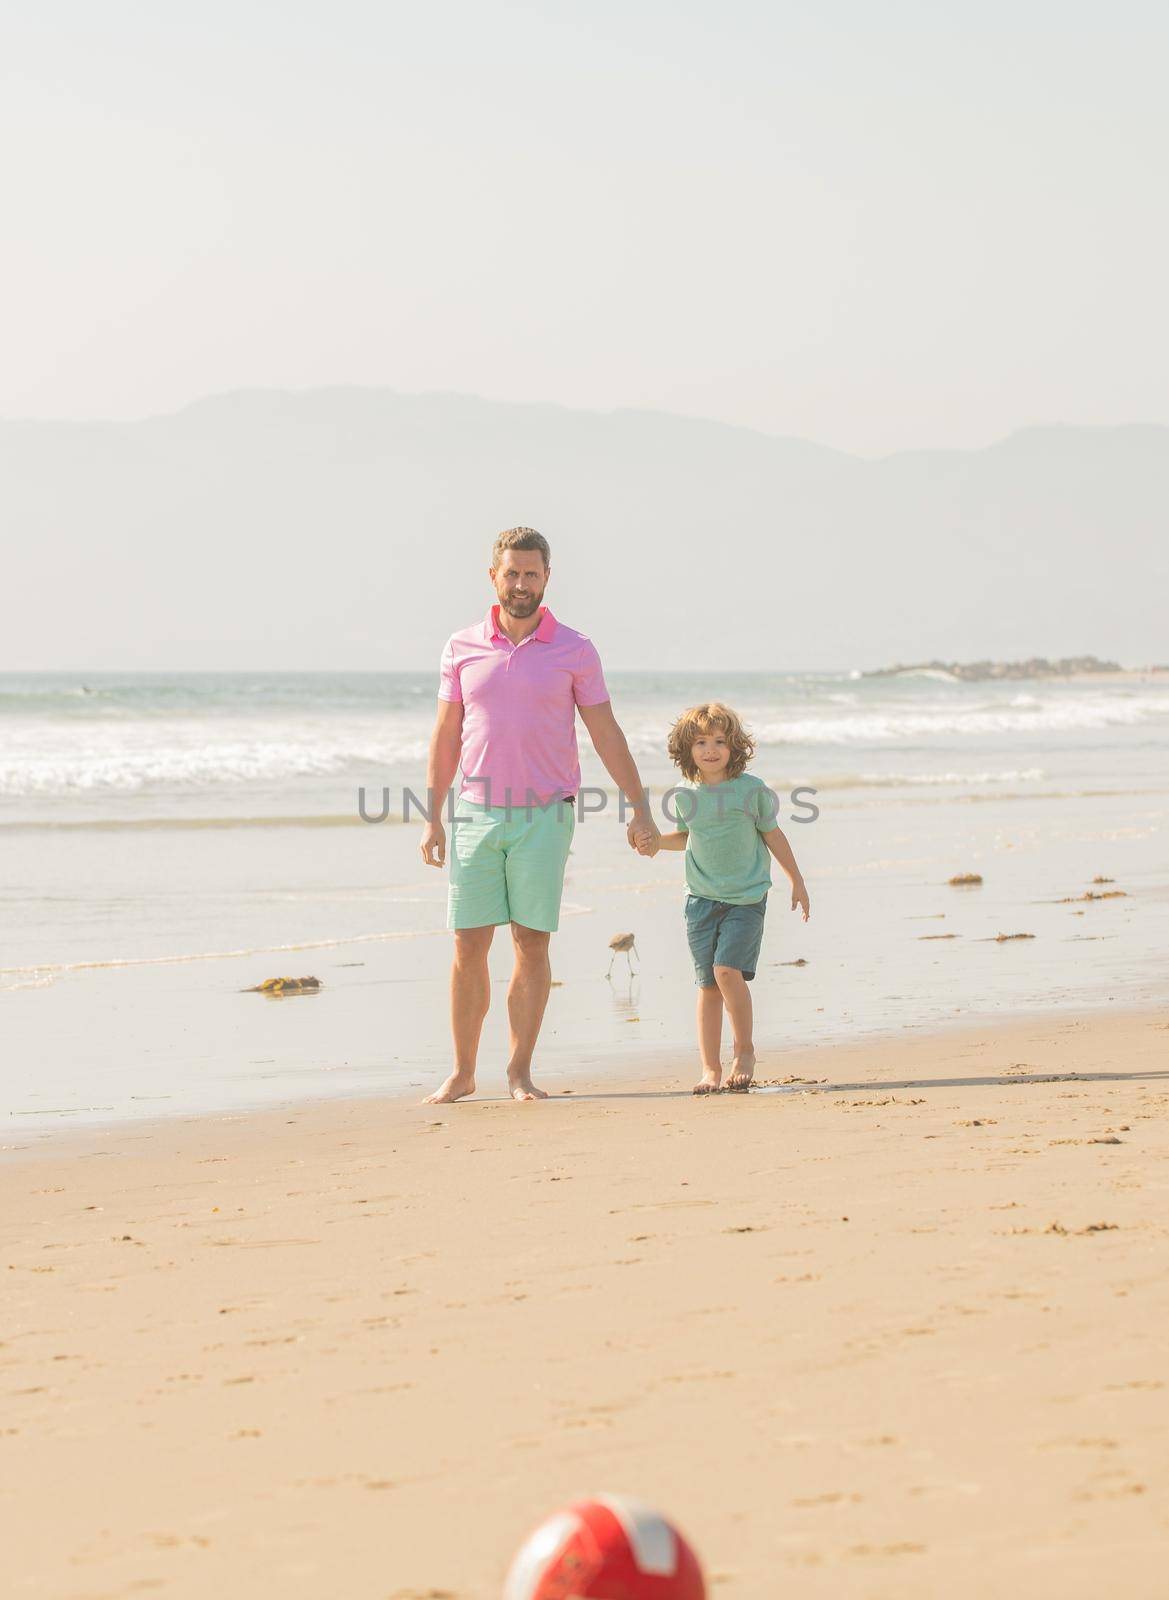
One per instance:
(985, 671)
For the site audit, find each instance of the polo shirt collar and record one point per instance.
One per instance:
(544, 631)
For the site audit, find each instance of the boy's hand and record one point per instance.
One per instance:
(648, 842)
(800, 898)
(639, 832)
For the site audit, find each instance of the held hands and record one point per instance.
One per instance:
(643, 837)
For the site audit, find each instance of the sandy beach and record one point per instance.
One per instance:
(592, 554)
(896, 1330)
(149, 880)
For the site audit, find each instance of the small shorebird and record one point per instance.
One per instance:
(622, 942)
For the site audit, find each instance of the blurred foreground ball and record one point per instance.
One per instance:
(605, 1549)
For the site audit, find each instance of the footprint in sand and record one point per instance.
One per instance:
(905, 1549)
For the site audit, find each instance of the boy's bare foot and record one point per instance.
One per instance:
(521, 1087)
(710, 1082)
(457, 1087)
(742, 1071)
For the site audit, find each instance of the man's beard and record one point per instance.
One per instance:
(521, 605)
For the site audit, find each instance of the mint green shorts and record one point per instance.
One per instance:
(508, 866)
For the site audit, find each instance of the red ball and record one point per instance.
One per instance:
(605, 1549)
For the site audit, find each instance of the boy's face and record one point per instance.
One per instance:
(711, 754)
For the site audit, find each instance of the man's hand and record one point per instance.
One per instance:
(642, 831)
(434, 844)
(800, 898)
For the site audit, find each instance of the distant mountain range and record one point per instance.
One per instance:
(352, 528)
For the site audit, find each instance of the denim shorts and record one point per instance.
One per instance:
(723, 935)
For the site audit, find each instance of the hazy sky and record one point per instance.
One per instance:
(875, 225)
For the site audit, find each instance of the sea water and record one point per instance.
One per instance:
(168, 840)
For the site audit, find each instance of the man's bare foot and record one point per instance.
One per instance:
(742, 1071)
(457, 1087)
(710, 1082)
(521, 1087)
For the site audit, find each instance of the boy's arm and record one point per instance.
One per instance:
(673, 841)
(776, 841)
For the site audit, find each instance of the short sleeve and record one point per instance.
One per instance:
(766, 809)
(588, 681)
(448, 674)
(683, 804)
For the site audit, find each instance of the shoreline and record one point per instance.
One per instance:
(911, 1312)
(648, 1072)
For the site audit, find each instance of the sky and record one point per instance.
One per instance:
(916, 224)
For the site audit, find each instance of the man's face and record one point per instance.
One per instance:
(519, 580)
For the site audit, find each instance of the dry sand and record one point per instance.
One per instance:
(904, 1335)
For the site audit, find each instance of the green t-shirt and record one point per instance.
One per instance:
(726, 858)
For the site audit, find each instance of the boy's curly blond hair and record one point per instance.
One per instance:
(711, 717)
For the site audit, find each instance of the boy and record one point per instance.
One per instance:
(727, 827)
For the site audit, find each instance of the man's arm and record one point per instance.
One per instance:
(446, 742)
(609, 743)
(776, 841)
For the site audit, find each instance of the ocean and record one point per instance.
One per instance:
(167, 839)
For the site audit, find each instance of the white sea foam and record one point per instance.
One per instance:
(45, 753)
(898, 779)
(840, 718)
(52, 969)
(888, 724)
(45, 973)
(32, 978)
(51, 758)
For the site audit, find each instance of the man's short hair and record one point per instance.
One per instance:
(521, 539)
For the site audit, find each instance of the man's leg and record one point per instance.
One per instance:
(537, 851)
(527, 996)
(470, 998)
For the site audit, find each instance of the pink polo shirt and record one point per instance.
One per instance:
(519, 707)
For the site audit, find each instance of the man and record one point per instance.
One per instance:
(509, 690)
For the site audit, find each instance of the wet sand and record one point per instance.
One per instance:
(898, 1331)
(164, 1025)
